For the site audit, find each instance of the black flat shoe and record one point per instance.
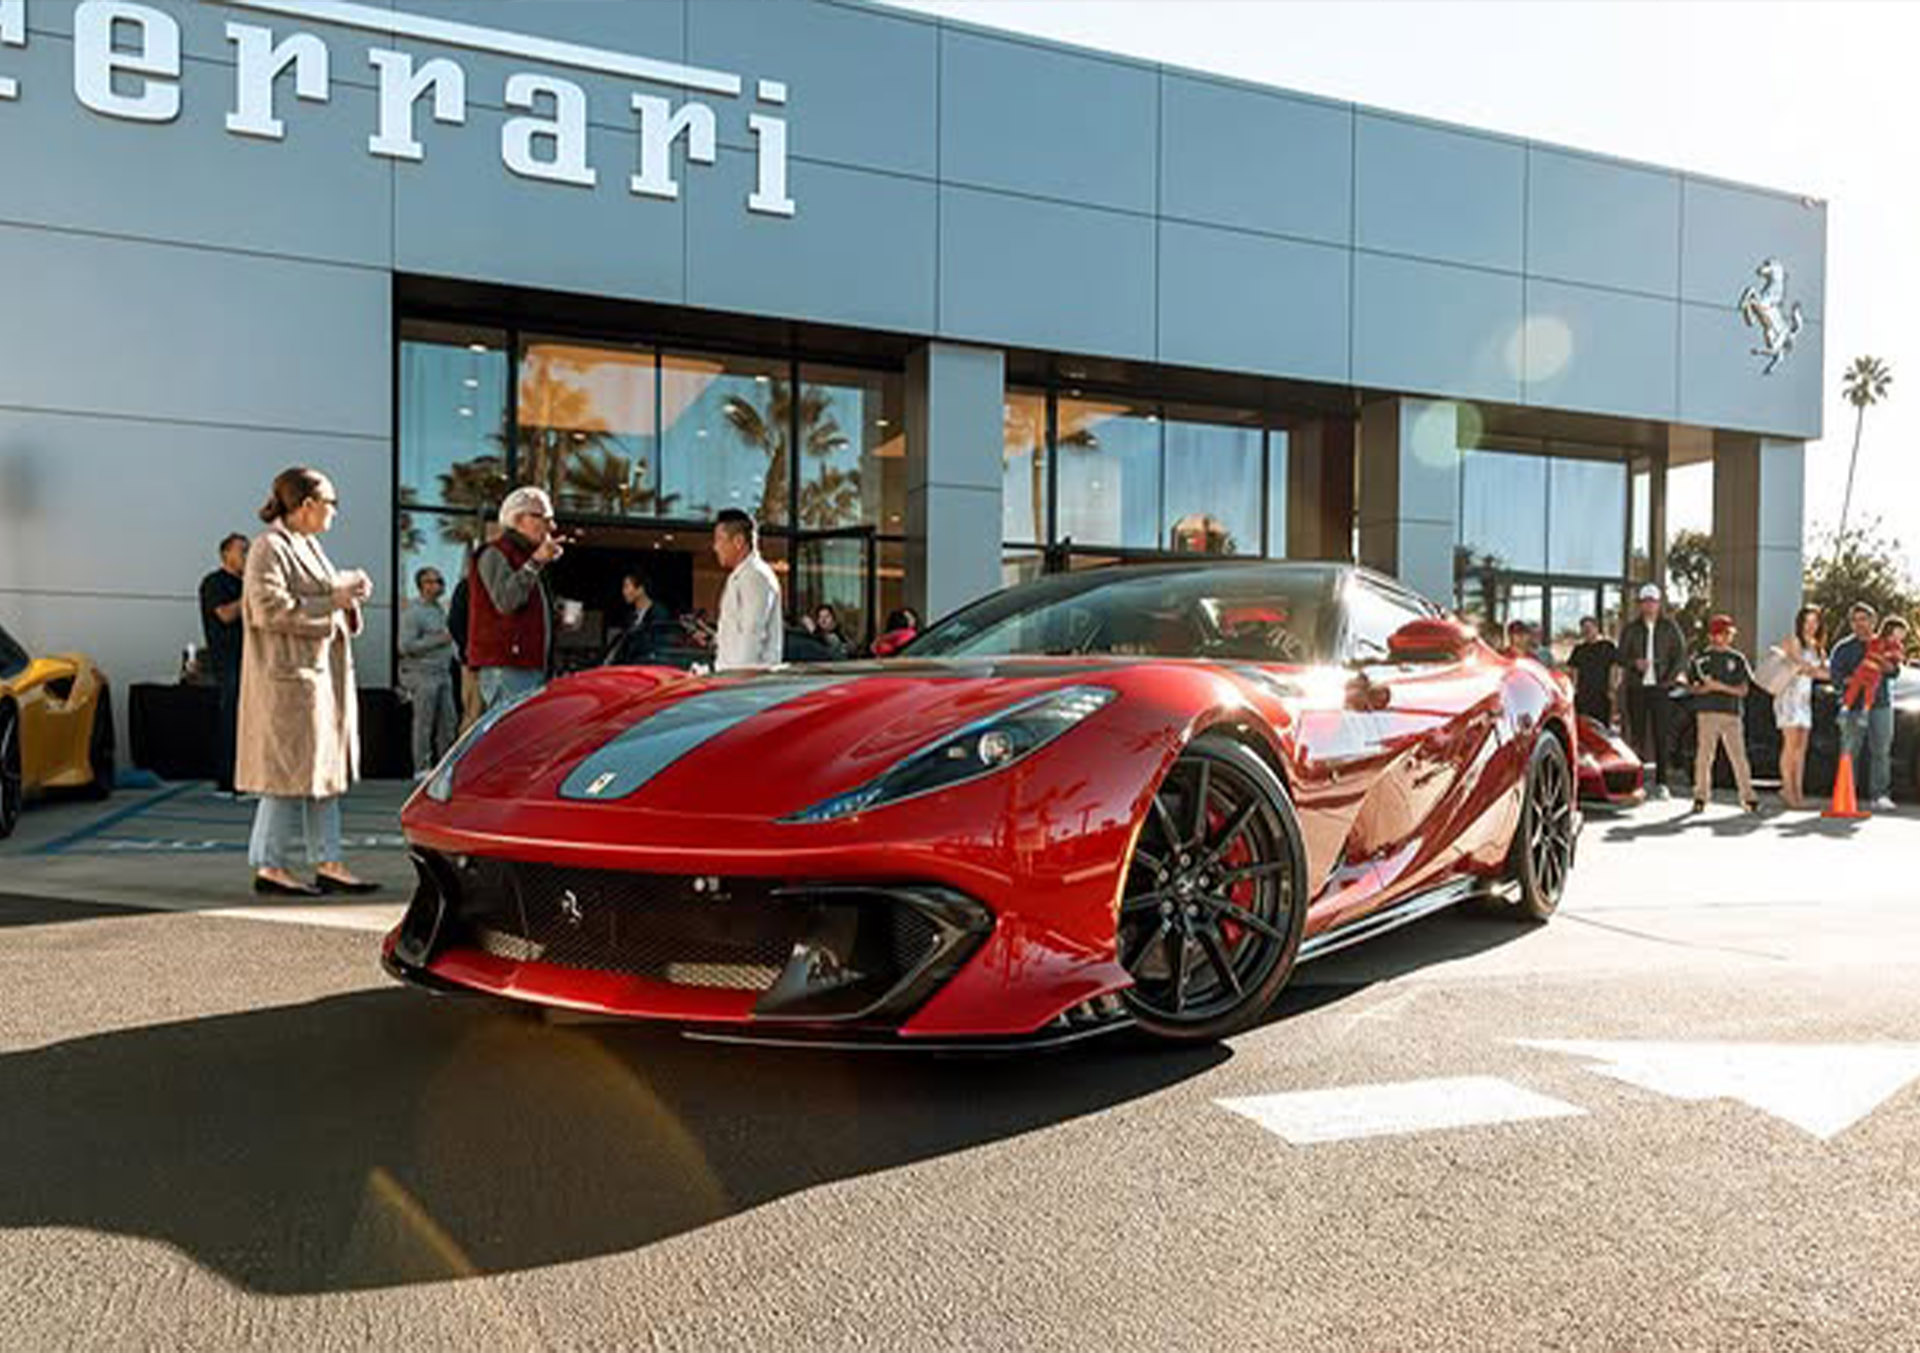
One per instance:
(358, 888)
(267, 887)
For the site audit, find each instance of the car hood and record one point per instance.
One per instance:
(753, 744)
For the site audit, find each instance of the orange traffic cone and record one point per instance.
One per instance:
(1844, 804)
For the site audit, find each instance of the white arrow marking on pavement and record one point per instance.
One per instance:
(1820, 1088)
(1304, 1117)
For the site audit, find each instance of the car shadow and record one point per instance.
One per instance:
(382, 1138)
(19, 910)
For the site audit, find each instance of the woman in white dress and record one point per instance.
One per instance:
(1793, 707)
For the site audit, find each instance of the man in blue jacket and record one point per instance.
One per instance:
(1871, 720)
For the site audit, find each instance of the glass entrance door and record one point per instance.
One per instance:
(837, 568)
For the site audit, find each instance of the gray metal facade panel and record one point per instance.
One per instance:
(1240, 302)
(317, 194)
(860, 84)
(1728, 231)
(459, 213)
(127, 327)
(1602, 351)
(1019, 271)
(859, 249)
(1430, 328)
(1436, 193)
(1050, 123)
(212, 478)
(1237, 157)
(1601, 222)
(1721, 382)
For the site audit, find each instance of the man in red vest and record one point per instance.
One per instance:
(508, 628)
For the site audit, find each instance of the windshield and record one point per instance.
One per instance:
(1255, 614)
(13, 658)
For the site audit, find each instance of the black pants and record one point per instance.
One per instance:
(226, 736)
(1594, 705)
(1650, 727)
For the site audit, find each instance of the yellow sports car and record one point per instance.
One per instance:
(56, 727)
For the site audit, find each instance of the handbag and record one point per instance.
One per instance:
(1776, 671)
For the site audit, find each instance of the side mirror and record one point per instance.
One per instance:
(892, 642)
(1431, 639)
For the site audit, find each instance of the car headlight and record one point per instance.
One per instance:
(981, 748)
(440, 783)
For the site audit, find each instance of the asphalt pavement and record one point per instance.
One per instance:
(1683, 1115)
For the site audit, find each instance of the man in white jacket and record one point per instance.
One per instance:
(752, 631)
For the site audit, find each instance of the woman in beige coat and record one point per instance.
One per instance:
(299, 739)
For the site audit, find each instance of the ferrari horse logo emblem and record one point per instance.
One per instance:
(570, 908)
(1766, 305)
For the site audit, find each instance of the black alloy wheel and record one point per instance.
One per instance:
(12, 786)
(1543, 843)
(1211, 918)
(100, 746)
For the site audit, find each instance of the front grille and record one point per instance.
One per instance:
(1622, 781)
(657, 926)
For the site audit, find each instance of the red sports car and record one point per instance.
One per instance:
(1611, 772)
(1131, 797)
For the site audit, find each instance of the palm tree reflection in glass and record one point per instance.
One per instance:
(830, 494)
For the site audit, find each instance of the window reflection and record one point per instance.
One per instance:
(1277, 493)
(1109, 473)
(1587, 516)
(1213, 484)
(1503, 501)
(586, 427)
(1023, 467)
(853, 439)
(725, 424)
(453, 416)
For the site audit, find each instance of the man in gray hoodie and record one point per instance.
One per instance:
(426, 671)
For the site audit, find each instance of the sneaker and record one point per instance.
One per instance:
(1883, 804)
(1660, 792)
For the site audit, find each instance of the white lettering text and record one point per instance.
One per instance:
(566, 132)
(155, 59)
(401, 87)
(770, 140)
(261, 63)
(660, 126)
(13, 33)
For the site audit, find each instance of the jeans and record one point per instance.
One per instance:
(435, 722)
(501, 684)
(1873, 767)
(277, 821)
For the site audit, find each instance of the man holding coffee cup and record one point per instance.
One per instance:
(509, 624)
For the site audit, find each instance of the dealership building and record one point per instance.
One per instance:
(943, 306)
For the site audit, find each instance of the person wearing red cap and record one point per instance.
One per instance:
(1720, 678)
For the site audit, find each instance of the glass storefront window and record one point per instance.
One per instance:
(1640, 530)
(832, 571)
(1503, 500)
(1570, 605)
(1023, 468)
(453, 416)
(725, 425)
(586, 427)
(1021, 566)
(1586, 516)
(1109, 468)
(1212, 483)
(437, 540)
(853, 443)
(1277, 494)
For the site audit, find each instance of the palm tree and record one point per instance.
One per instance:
(1865, 383)
(820, 437)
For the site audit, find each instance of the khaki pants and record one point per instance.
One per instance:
(1718, 731)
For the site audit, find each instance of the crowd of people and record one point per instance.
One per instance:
(279, 619)
(1629, 683)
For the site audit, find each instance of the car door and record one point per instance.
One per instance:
(1431, 721)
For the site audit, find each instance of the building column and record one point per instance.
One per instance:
(1410, 492)
(956, 411)
(1759, 490)
(1319, 500)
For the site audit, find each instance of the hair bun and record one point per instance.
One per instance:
(271, 512)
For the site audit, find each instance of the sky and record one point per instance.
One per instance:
(1815, 98)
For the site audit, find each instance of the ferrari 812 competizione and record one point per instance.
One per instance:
(1124, 798)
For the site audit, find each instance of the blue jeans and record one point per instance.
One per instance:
(500, 684)
(277, 821)
(1873, 768)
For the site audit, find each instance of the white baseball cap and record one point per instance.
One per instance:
(1650, 592)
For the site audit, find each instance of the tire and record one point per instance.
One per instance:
(12, 785)
(1541, 856)
(1215, 898)
(100, 747)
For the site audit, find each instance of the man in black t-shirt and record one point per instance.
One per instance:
(1720, 678)
(220, 622)
(1593, 660)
